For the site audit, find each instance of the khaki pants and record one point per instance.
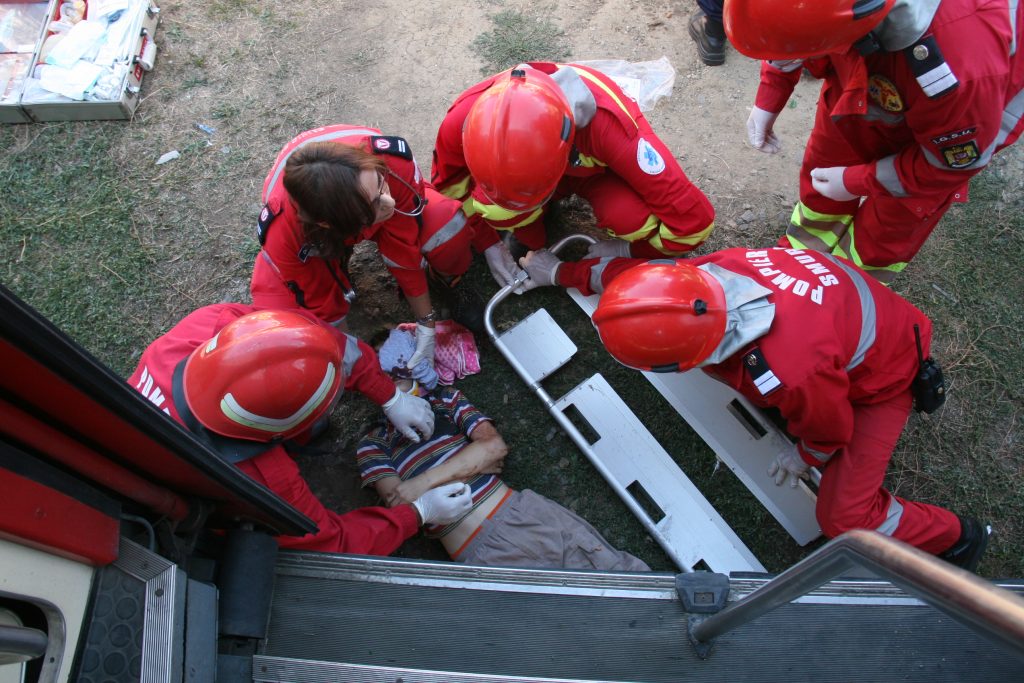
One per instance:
(530, 530)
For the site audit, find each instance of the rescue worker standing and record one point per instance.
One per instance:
(917, 97)
(832, 349)
(254, 384)
(335, 186)
(544, 131)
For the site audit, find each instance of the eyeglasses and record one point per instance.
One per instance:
(375, 202)
(418, 202)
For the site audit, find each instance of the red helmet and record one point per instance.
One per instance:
(266, 376)
(783, 29)
(665, 317)
(517, 138)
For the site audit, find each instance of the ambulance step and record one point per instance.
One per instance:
(350, 618)
(740, 436)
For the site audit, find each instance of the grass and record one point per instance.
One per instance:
(520, 37)
(69, 240)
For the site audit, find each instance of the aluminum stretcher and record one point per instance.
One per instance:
(682, 521)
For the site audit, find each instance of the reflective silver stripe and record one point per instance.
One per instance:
(452, 228)
(892, 517)
(889, 118)
(326, 137)
(868, 314)
(391, 264)
(785, 65)
(885, 173)
(352, 356)
(270, 262)
(582, 101)
(820, 456)
(596, 271)
(1011, 118)
(1014, 4)
(937, 80)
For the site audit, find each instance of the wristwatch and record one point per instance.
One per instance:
(428, 318)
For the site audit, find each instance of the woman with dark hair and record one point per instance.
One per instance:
(333, 187)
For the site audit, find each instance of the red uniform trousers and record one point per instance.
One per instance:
(447, 252)
(852, 495)
(367, 531)
(888, 229)
(618, 208)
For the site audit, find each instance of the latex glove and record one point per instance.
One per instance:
(444, 504)
(828, 182)
(425, 341)
(501, 263)
(612, 248)
(411, 415)
(759, 130)
(542, 267)
(788, 463)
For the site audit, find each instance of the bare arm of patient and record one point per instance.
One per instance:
(485, 454)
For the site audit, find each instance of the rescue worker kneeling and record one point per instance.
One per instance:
(834, 350)
(253, 384)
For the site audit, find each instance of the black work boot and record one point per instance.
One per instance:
(710, 38)
(969, 548)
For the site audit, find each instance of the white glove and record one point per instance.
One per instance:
(612, 248)
(788, 463)
(501, 263)
(411, 415)
(424, 346)
(445, 504)
(828, 182)
(759, 130)
(542, 267)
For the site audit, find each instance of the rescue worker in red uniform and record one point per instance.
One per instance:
(544, 131)
(335, 186)
(253, 384)
(917, 97)
(807, 333)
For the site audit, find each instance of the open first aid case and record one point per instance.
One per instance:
(74, 60)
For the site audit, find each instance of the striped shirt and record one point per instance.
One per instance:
(384, 452)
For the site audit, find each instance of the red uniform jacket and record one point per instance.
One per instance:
(374, 530)
(609, 143)
(286, 257)
(916, 144)
(838, 338)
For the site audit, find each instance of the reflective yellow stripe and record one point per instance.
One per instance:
(494, 213)
(817, 231)
(885, 274)
(649, 226)
(590, 162)
(596, 81)
(458, 190)
(662, 234)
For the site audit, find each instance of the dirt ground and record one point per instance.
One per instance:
(257, 73)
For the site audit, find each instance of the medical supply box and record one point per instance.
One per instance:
(74, 60)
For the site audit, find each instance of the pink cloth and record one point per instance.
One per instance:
(455, 352)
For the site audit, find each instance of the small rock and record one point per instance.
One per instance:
(747, 216)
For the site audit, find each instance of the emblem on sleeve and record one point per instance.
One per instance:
(648, 159)
(883, 92)
(961, 155)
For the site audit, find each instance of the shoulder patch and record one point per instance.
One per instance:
(929, 67)
(960, 155)
(267, 217)
(760, 374)
(390, 144)
(648, 159)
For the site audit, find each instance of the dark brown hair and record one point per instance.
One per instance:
(323, 180)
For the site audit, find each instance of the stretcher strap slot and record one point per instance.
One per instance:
(749, 422)
(645, 501)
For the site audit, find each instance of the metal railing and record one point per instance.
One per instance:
(994, 612)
